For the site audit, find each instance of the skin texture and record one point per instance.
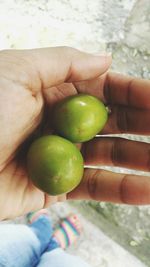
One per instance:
(31, 82)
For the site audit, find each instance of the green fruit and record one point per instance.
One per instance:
(54, 164)
(80, 117)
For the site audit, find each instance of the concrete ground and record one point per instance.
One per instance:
(94, 246)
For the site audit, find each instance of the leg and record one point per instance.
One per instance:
(21, 245)
(41, 225)
(59, 258)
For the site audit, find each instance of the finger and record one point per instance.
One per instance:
(128, 120)
(107, 186)
(114, 88)
(52, 96)
(60, 64)
(126, 90)
(117, 152)
(93, 86)
(129, 101)
(57, 93)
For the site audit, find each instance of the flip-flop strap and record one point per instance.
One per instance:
(64, 231)
(72, 226)
(65, 234)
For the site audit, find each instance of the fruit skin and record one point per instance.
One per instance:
(80, 117)
(54, 164)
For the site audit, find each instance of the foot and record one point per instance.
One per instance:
(68, 231)
(33, 216)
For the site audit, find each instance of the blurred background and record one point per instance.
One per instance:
(114, 235)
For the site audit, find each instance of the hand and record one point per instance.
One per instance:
(129, 101)
(31, 82)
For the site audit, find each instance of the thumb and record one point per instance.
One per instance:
(66, 64)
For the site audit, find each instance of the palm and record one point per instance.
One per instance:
(24, 196)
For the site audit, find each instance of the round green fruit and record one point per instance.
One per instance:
(80, 117)
(54, 164)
